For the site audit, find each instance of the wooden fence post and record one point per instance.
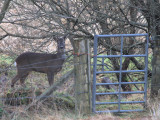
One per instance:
(82, 92)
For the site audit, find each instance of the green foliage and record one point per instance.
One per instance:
(100, 89)
(150, 57)
(106, 107)
(4, 59)
(131, 106)
(1, 111)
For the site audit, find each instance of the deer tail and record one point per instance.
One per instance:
(15, 64)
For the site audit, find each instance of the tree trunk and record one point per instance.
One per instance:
(82, 92)
(155, 83)
(151, 13)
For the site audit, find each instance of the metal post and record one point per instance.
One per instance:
(146, 70)
(94, 74)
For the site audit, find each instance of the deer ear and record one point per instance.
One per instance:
(65, 36)
(55, 38)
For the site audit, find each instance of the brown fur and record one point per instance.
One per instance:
(40, 62)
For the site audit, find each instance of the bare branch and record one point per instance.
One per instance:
(2, 37)
(4, 9)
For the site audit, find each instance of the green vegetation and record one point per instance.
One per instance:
(63, 102)
(4, 59)
(130, 77)
(1, 111)
(6, 62)
(18, 97)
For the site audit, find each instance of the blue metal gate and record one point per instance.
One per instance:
(119, 93)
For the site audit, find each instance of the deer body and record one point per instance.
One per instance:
(40, 62)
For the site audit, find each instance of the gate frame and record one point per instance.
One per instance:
(119, 93)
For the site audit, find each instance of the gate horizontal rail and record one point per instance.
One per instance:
(111, 111)
(110, 56)
(128, 102)
(112, 93)
(121, 83)
(122, 71)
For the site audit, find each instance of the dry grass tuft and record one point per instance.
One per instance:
(154, 107)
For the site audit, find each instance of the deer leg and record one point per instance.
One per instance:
(22, 79)
(14, 80)
(50, 78)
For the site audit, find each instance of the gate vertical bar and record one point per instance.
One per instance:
(120, 76)
(146, 70)
(94, 74)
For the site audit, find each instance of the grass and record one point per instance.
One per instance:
(113, 98)
(42, 112)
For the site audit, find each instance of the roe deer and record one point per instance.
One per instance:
(40, 62)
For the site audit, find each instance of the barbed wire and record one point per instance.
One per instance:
(39, 63)
(54, 66)
(30, 66)
(33, 97)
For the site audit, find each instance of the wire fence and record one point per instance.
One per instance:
(52, 66)
(33, 97)
(11, 67)
(68, 87)
(68, 65)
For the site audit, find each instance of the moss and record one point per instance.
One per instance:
(60, 101)
(65, 101)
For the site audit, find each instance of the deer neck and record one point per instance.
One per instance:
(61, 54)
